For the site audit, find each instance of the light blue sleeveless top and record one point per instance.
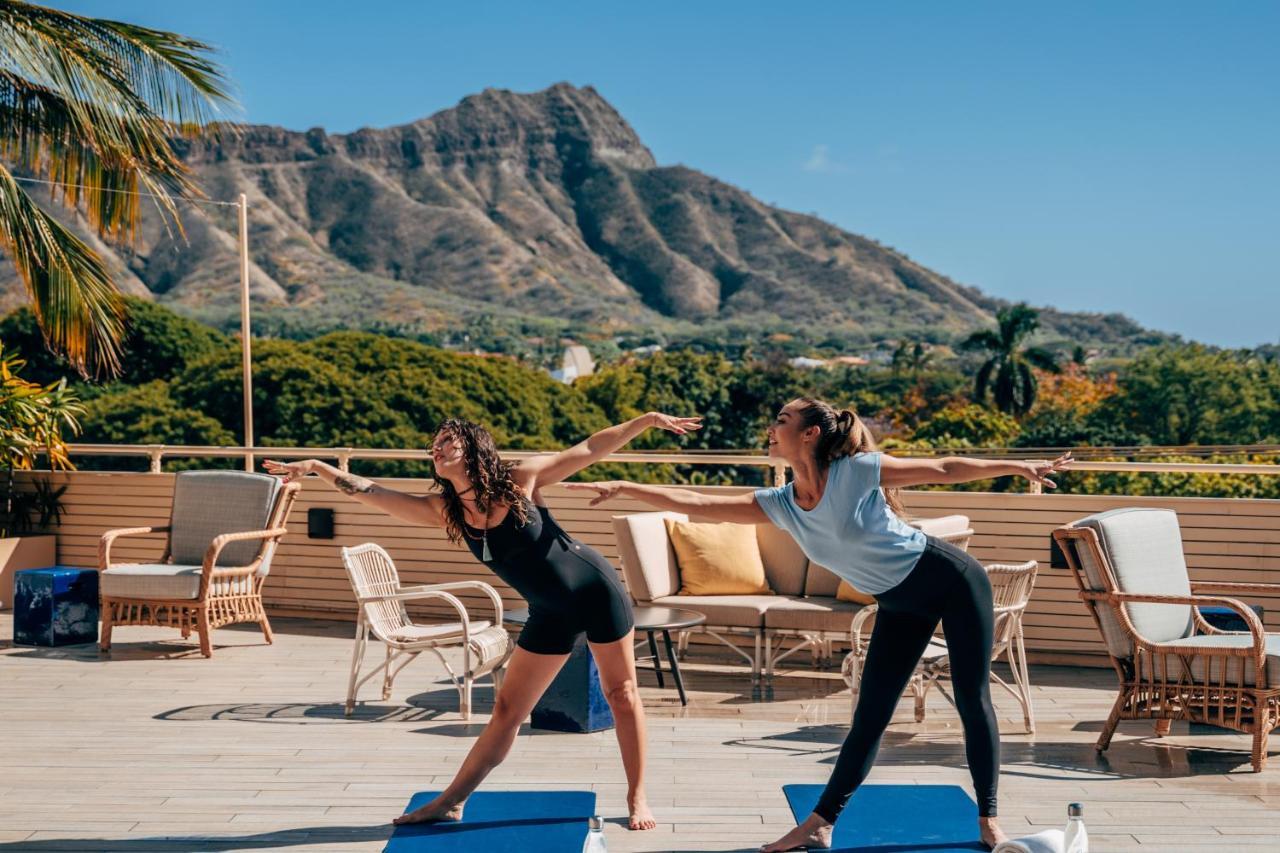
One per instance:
(852, 531)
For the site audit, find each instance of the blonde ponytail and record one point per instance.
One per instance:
(841, 433)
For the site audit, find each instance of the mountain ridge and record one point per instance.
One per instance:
(546, 204)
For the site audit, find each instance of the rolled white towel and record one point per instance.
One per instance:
(1049, 841)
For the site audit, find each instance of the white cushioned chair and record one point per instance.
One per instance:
(223, 529)
(1172, 664)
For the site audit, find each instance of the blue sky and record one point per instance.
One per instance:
(1117, 156)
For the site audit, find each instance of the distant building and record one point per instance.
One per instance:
(851, 360)
(575, 362)
(806, 363)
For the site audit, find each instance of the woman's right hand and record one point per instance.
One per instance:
(289, 470)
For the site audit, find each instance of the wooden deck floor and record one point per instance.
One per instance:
(159, 749)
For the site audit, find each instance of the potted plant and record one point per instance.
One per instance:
(33, 418)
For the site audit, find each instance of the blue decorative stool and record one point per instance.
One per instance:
(575, 701)
(55, 607)
(1226, 619)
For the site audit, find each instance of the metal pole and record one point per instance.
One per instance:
(246, 355)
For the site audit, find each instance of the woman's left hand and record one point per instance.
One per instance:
(673, 423)
(1039, 471)
(604, 490)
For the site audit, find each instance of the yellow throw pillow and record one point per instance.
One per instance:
(718, 558)
(848, 592)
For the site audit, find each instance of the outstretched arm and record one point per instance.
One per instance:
(741, 509)
(416, 509)
(548, 470)
(898, 473)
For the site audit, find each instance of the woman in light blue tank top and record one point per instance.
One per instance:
(843, 510)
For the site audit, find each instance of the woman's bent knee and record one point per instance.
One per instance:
(624, 698)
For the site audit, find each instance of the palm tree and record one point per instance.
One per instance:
(90, 107)
(911, 358)
(1008, 371)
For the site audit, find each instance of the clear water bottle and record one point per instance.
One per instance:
(1076, 839)
(595, 836)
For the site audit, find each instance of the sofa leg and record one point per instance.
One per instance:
(1163, 726)
(1260, 749)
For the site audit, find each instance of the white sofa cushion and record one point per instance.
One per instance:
(648, 559)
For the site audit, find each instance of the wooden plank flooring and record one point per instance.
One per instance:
(159, 749)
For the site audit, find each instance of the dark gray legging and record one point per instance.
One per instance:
(948, 585)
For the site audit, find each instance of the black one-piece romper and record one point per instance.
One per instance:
(570, 587)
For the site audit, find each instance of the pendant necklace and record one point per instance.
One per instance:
(485, 555)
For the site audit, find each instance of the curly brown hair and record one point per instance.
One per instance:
(490, 477)
(842, 433)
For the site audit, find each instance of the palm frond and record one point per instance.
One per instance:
(92, 106)
(1042, 359)
(79, 310)
(983, 340)
(1016, 323)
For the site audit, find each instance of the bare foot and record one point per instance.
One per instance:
(433, 812)
(813, 834)
(992, 834)
(641, 817)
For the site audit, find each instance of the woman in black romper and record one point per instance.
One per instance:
(496, 508)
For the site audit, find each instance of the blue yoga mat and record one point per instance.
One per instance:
(502, 822)
(897, 818)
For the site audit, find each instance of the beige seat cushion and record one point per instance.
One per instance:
(717, 558)
(810, 614)
(1213, 666)
(150, 581)
(738, 611)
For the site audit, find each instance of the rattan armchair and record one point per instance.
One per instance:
(1172, 664)
(223, 529)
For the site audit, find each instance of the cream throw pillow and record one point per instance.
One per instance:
(848, 592)
(718, 558)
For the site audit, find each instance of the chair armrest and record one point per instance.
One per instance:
(220, 542)
(487, 589)
(418, 594)
(859, 621)
(109, 537)
(1228, 586)
(1258, 632)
